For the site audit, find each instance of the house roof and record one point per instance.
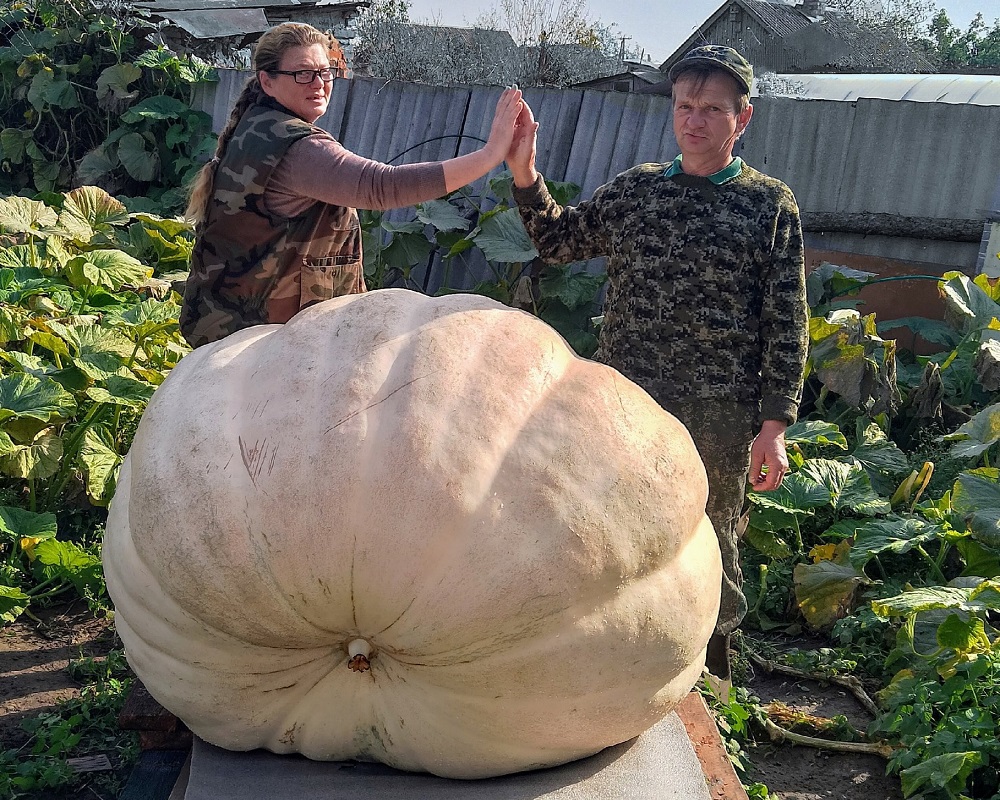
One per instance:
(212, 19)
(858, 47)
(647, 74)
(779, 18)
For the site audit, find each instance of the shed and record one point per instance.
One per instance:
(633, 77)
(222, 31)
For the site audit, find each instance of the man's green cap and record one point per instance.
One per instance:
(719, 57)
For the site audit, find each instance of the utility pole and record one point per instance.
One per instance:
(621, 51)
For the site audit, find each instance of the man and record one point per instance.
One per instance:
(706, 304)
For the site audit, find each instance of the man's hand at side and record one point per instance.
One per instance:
(768, 459)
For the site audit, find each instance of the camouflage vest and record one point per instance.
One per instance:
(251, 267)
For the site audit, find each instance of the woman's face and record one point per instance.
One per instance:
(306, 100)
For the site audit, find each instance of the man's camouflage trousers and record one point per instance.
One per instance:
(723, 433)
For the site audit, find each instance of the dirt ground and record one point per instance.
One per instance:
(34, 660)
(804, 773)
(33, 677)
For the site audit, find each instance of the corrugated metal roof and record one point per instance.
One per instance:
(779, 17)
(980, 90)
(220, 22)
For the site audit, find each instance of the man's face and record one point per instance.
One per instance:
(706, 120)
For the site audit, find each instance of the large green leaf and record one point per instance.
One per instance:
(980, 561)
(110, 269)
(101, 463)
(892, 535)
(23, 395)
(976, 490)
(121, 391)
(69, 562)
(572, 326)
(40, 459)
(815, 432)
(976, 435)
(980, 599)
(87, 339)
(93, 209)
(768, 542)
(155, 108)
(140, 161)
(876, 451)
(12, 320)
(114, 80)
(798, 494)
(976, 497)
(95, 165)
(12, 142)
(20, 523)
(828, 281)
(848, 484)
(50, 342)
(13, 602)
(21, 215)
(932, 330)
(48, 89)
(412, 226)
(774, 518)
(879, 456)
(963, 634)
(407, 250)
(946, 770)
(442, 215)
(21, 255)
(573, 289)
(502, 238)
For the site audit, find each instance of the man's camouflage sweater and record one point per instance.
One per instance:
(706, 296)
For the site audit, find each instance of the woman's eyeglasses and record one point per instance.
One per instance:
(326, 74)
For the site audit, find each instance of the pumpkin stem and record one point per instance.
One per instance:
(359, 650)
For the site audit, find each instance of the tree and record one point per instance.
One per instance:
(921, 23)
(530, 22)
(907, 19)
(551, 46)
(952, 48)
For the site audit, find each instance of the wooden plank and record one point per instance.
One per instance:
(358, 105)
(601, 128)
(334, 118)
(720, 777)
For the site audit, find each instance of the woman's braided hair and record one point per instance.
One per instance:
(266, 58)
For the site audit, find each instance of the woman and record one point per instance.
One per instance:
(275, 209)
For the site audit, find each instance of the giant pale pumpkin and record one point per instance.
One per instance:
(413, 530)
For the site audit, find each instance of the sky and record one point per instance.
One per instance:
(656, 26)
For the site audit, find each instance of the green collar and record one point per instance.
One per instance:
(722, 176)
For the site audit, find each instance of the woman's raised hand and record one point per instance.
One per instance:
(502, 130)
